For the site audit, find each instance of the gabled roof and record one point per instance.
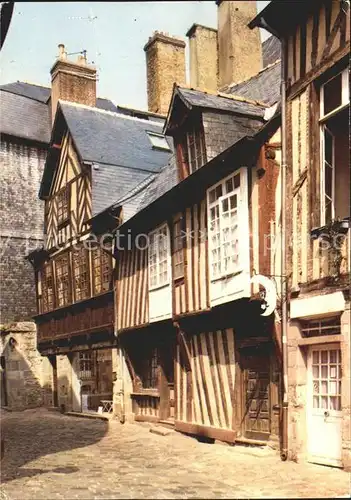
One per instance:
(114, 139)
(161, 184)
(205, 100)
(25, 110)
(166, 194)
(117, 146)
(221, 102)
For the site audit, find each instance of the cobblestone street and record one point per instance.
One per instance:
(53, 456)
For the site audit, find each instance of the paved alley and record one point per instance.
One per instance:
(49, 455)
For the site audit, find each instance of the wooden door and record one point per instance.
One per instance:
(257, 416)
(3, 388)
(324, 405)
(167, 402)
(53, 362)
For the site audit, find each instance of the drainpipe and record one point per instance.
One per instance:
(284, 443)
(121, 362)
(122, 417)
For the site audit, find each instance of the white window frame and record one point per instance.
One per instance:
(164, 147)
(345, 95)
(345, 101)
(166, 282)
(323, 167)
(242, 215)
(199, 158)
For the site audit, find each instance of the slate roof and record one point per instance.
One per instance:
(264, 87)
(270, 50)
(119, 148)
(162, 183)
(25, 110)
(23, 117)
(114, 139)
(202, 99)
(42, 94)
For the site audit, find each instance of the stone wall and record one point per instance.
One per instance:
(21, 226)
(298, 389)
(28, 377)
(122, 388)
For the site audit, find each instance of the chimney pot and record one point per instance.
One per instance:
(62, 52)
(73, 81)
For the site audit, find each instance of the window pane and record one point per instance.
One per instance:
(333, 357)
(328, 181)
(328, 210)
(237, 181)
(332, 94)
(219, 190)
(229, 186)
(328, 146)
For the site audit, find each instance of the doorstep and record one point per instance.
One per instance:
(169, 423)
(251, 442)
(97, 416)
(53, 408)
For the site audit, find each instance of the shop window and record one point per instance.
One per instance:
(150, 371)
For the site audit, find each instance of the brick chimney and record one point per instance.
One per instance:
(203, 57)
(239, 48)
(165, 64)
(73, 81)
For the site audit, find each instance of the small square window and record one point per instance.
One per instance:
(158, 141)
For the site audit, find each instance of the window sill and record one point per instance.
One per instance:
(158, 287)
(226, 276)
(146, 392)
(61, 225)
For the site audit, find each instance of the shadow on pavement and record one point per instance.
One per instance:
(32, 434)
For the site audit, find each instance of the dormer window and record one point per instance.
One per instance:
(158, 141)
(191, 150)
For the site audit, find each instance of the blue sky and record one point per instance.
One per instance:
(113, 33)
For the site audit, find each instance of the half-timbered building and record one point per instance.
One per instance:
(95, 156)
(201, 356)
(316, 41)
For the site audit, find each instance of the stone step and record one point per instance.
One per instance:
(87, 415)
(161, 431)
(169, 423)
